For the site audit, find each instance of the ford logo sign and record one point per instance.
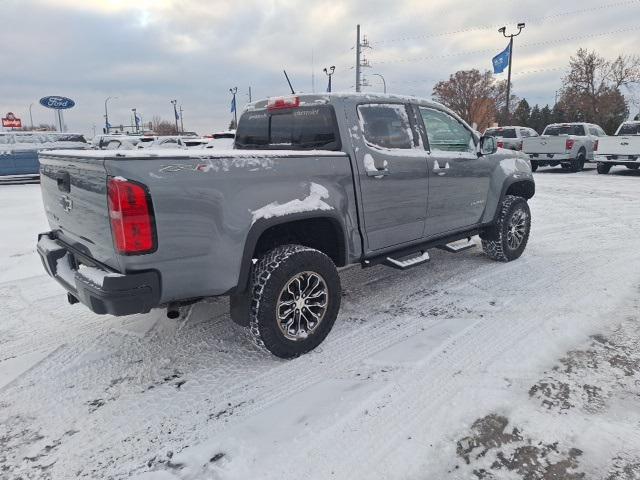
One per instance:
(57, 103)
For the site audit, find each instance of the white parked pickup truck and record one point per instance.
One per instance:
(566, 144)
(621, 149)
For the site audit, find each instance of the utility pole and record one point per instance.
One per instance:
(361, 61)
(135, 119)
(175, 113)
(30, 115)
(249, 93)
(503, 30)
(329, 73)
(181, 121)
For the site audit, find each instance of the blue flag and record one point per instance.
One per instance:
(138, 120)
(501, 61)
(233, 104)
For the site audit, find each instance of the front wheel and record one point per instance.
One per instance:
(633, 167)
(295, 298)
(507, 238)
(603, 168)
(534, 166)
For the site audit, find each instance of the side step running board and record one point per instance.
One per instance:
(457, 247)
(409, 262)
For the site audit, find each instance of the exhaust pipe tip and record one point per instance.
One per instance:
(173, 311)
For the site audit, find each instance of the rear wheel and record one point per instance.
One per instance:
(603, 168)
(534, 166)
(577, 164)
(507, 238)
(295, 298)
(633, 167)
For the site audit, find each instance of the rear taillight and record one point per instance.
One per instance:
(500, 144)
(595, 146)
(131, 215)
(569, 144)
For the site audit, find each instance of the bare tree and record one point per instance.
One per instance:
(591, 89)
(163, 127)
(473, 95)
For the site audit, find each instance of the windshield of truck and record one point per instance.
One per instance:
(302, 128)
(556, 130)
(501, 132)
(629, 129)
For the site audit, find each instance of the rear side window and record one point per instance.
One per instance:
(71, 138)
(445, 133)
(386, 126)
(302, 128)
(6, 139)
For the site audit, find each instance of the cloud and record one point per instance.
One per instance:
(151, 51)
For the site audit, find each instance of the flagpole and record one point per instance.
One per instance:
(233, 91)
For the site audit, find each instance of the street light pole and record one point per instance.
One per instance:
(329, 73)
(384, 84)
(106, 113)
(181, 121)
(30, 115)
(175, 113)
(503, 30)
(234, 91)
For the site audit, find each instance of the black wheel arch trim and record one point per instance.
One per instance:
(264, 224)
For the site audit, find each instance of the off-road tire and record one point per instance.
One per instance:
(494, 238)
(603, 168)
(633, 167)
(268, 277)
(534, 166)
(577, 164)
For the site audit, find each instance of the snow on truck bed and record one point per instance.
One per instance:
(458, 368)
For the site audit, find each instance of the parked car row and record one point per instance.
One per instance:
(571, 145)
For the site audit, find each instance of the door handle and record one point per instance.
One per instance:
(378, 173)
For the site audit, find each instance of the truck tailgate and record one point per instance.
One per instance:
(74, 192)
(544, 144)
(626, 146)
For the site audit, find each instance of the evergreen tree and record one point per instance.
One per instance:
(522, 113)
(535, 119)
(546, 116)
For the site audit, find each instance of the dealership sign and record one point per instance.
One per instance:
(57, 103)
(11, 121)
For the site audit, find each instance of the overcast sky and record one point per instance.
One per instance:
(147, 52)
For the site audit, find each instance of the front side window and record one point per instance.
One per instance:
(629, 129)
(386, 126)
(445, 133)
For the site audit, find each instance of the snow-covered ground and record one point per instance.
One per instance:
(461, 368)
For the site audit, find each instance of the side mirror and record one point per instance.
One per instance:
(488, 145)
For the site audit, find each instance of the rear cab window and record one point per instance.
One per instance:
(299, 128)
(629, 129)
(555, 130)
(501, 132)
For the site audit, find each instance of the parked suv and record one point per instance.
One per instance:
(510, 137)
(566, 144)
(315, 182)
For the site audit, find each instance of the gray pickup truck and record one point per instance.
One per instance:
(314, 182)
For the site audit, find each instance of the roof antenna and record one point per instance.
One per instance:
(288, 81)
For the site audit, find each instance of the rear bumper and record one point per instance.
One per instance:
(618, 159)
(102, 291)
(549, 157)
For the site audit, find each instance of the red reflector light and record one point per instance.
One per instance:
(500, 144)
(595, 146)
(569, 144)
(131, 215)
(283, 102)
